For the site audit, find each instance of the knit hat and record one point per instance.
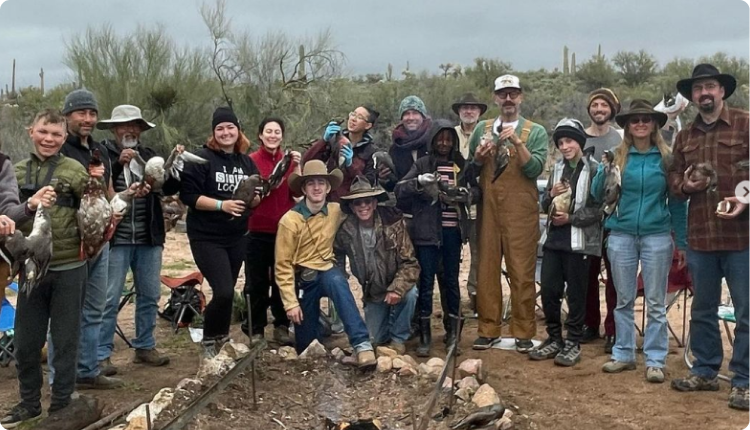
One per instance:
(412, 103)
(79, 100)
(572, 128)
(224, 114)
(608, 96)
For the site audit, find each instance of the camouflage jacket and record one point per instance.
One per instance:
(398, 270)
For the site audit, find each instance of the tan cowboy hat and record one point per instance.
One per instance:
(314, 169)
(122, 114)
(641, 107)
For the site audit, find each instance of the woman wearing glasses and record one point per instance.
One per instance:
(641, 224)
(356, 149)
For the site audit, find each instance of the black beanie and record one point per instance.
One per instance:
(224, 114)
(572, 128)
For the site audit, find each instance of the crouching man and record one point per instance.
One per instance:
(383, 261)
(305, 265)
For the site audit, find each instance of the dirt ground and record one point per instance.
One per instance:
(545, 396)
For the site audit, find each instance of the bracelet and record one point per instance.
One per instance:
(219, 203)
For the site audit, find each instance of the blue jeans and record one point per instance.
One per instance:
(331, 284)
(654, 252)
(429, 258)
(145, 262)
(707, 269)
(391, 323)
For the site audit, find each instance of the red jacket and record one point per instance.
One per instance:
(266, 216)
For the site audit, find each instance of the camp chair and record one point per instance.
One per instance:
(185, 302)
(726, 316)
(7, 324)
(124, 300)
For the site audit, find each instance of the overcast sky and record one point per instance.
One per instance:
(528, 33)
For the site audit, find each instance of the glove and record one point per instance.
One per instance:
(348, 153)
(426, 178)
(331, 129)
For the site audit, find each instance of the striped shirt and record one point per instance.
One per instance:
(448, 175)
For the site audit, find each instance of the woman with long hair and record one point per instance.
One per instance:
(217, 224)
(642, 224)
(263, 225)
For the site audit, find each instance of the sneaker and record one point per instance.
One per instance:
(483, 343)
(549, 349)
(695, 383)
(614, 366)
(106, 368)
(609, 343)
(100, 382)
(366, 359)
(590, 334)
(570, 354)
(524, 345)
(655, 375)
(399, 347)
(738, 398)
(281, 335)
(19, 415)
(151, 357)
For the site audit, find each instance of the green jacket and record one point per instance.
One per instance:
(536, 143)
(69, 177)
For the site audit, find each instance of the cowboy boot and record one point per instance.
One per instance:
(425, 337)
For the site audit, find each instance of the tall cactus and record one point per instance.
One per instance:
(573, 64)
(566, 67)
(301, 74)
(599, 53)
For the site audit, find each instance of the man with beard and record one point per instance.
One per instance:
(717, 237)
(603, 106)
(469, 109)
(137, 243)
(509, 214)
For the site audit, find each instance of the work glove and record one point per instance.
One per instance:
(426, 178)
(348, 153)
(331, 129)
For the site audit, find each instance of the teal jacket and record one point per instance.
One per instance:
(645, 206)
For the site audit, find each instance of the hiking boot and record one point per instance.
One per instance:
(609, 343)
(19, 415)
(570, 354)
(590, 334)
(254, 339)
(151, 357)
(614, 366)
(281, 335)
(695, 383)
(738, 398)
(106, 368)
(425, 337)
(655, 375)
(209, 349)
(399, 347)
(482, 343)
(366, 359)
(524, 345)
(99, 382)
(549, 349)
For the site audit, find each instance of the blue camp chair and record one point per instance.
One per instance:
(7, 324)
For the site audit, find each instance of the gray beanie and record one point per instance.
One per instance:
(79, 100)
(412, 103)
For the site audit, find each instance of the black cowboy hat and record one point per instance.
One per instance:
(706, 71)
(469, 99)
(641, 107)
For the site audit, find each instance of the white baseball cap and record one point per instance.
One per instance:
(507, 81)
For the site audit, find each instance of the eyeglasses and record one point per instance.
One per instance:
(358, 116)
(708, 86)
(642, 119)
(512, 94)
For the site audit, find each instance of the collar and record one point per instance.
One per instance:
(302, 209)
(634, 150)
(36, 158)
(266, 155)
(76, 141)
(366, 138)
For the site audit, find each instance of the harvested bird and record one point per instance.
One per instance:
(432, 188)
(29, 257)
(246, 189)
(277, 175)
(122, 201)
(502, 157)
(333, 147)
(156, 171)
(94, 215)
(561, 202)
(612, 184)
(173, 210)
(700, 171)
(382, 158)
(480, 418)
(670, 104)
(458, 194)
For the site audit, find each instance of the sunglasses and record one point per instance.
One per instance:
(502, 95)
(642, 119)
(360, 202)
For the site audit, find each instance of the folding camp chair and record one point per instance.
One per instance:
(124, 300)
(185, 302)
(726, 316)
(7, 324)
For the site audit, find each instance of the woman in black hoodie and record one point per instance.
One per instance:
(216, 224)
(439, 223)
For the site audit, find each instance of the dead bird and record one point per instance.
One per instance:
(502, 157)
(122, 201)
(432, 188)
(277, 175)
(561, 202)
(700, 171)
(29, 257)
(246, 189)
(382, 158)
(94, 215)
(480, 418)
(333, 146)
(612, 184)
(173, 210)
(156, 171)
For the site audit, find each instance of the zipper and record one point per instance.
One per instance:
(640, 201)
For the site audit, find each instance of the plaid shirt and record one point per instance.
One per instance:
(724, 145)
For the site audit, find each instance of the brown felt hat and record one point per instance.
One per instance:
(470, 100)
(641, 107)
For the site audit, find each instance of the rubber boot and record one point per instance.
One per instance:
(425, 337)
(453, 333)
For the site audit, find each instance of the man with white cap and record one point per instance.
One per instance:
(509, 214)
(137, 243)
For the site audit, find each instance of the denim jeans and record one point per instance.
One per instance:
(331, 284)
(707, 269)
(391, 323)
(654, 252)
(145, 262)
(429, 258)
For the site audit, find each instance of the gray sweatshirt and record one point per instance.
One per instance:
(9, 203)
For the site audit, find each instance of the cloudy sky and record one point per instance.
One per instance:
(528, 33)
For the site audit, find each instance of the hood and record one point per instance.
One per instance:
(437, 127)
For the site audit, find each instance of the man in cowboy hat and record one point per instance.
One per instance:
(603, 106)
(717, 237)
(305, 264)
(383, 261)
(510, 214)
(137, 243)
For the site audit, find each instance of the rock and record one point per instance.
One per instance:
(385, 351)
(216, 366)
(288, 353)
(464, 394)
(407, 371)
(118, 427)
(448, 384)
(508, 413)
(189, 384)
(314, 350)
(485, 396)
(504, 423)
(385, 364)
(137, 418)
(81, 412)
(408, 359)
(162, 400)
(429, 371)
(399, 362)
(338, 353)
(472, 367)
(235, 350)
(436, 362)
(470, 383)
